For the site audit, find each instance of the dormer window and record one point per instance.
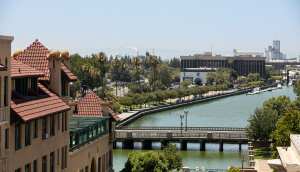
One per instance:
(21, 86)
(34, 84)
(53, 61)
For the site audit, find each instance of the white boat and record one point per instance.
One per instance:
(279, 86)
(255, 91)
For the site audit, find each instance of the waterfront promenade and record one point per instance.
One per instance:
(125, 115)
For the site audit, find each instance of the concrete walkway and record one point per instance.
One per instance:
(124, 115)
(262, 166)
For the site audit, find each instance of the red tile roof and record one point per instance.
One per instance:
(46, 103)
(66, 71)
(36, 56)
(90, 105)
(18, 69)
(3, 67)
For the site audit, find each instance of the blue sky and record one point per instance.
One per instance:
(171, 28)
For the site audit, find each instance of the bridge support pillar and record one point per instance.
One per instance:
(240, 146)
(128, 144)
(221, 146)
(147, 144)
(164, 143)
(115, 145)
(183, 145)
(202, 145)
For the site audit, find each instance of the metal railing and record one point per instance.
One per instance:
(152, 135)
(179, 128)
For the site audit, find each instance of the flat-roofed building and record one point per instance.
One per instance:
(243, 65)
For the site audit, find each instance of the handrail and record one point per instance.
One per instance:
(179, 128)
(145, 135)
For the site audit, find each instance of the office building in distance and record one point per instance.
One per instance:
(193, 67)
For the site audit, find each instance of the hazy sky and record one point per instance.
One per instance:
(170, 27)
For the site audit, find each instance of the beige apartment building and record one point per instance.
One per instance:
(38, 131)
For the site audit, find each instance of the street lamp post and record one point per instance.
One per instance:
(181, 116)
(186, 111)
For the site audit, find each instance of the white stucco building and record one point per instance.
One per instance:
(191, 74)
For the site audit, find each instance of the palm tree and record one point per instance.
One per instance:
(101, 58)
(116, 65)
(86, 70)
(136, 61)
(122, 68)
(153, 62)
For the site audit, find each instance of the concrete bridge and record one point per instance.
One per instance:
(147, 135)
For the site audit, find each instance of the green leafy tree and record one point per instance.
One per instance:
(233, 169)
(210, 78)
(146, 162)
(281, 104)
(164, 74)
(296, 88)
(286, 125)
(170, 152)
(251, 77)
(261, 124)
(184, 84)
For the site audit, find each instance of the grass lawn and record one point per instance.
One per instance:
(261, 153)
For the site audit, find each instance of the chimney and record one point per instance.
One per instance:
(111, 104)
(65, 57)
(104, 107)
(55, 71)
(73, 104)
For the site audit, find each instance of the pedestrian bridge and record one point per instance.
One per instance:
(128, 135)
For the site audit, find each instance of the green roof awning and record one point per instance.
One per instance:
(84, 122)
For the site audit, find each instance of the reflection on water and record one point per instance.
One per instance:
(226, 112)
(192, 157)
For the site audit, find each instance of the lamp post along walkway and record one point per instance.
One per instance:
(186, 111)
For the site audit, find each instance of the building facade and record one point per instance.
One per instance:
(35, 125)
(242, 65)
(192, 74)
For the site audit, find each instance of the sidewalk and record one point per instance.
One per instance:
(124, 115)
(262, 166)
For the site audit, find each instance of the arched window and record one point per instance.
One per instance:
(53, 61)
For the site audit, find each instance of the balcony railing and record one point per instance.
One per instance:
(4, 115)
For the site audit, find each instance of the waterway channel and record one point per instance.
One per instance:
(226, 112)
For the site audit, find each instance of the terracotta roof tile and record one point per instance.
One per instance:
(3, 67)
(66, 71)
(38, 106)
(36, 56)
(18, 69)
(90, 105)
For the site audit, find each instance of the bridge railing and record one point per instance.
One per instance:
(167, 135)
(179, 128)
